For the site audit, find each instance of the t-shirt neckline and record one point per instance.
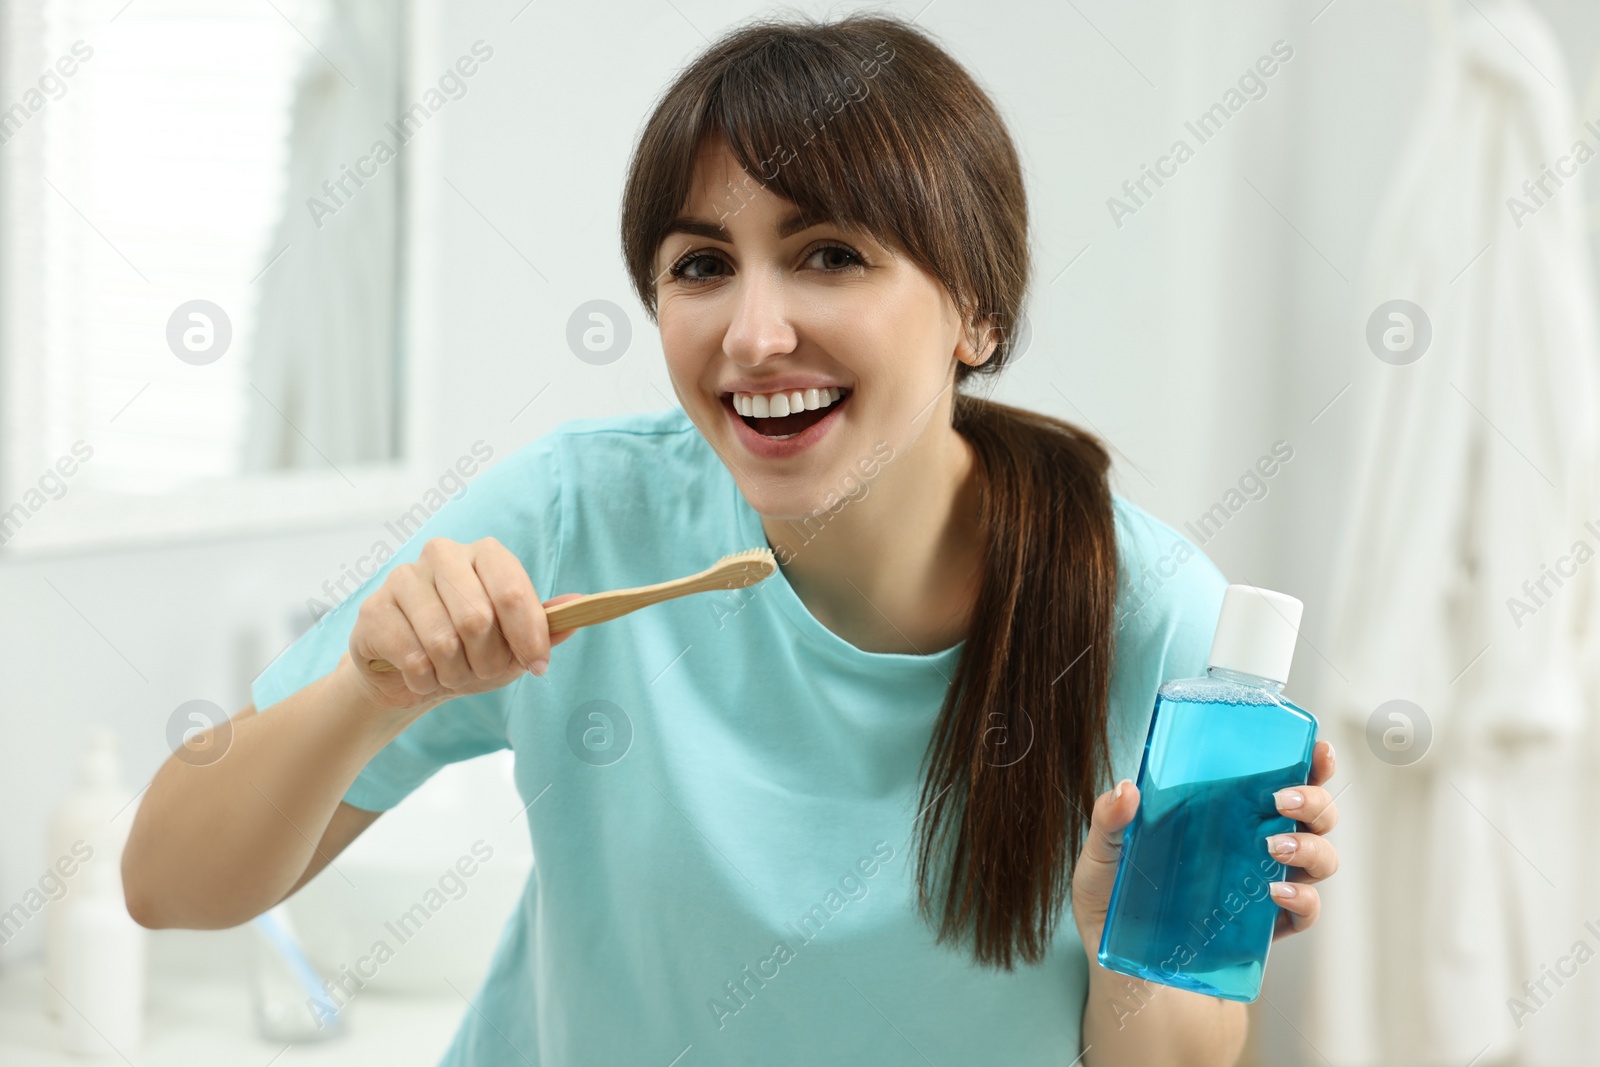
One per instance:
(809, 626)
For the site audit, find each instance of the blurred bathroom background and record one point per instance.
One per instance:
(275, 278)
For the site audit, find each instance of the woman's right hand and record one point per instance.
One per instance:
(462, 619)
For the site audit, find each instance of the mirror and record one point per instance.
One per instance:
(206, 241)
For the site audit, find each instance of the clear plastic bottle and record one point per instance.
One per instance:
(93, 819)
(1190, 906)
(102, 965)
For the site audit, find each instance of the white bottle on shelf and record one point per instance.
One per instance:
(102, 965)
(92, 819)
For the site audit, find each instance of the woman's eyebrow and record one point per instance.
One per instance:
(791, 224)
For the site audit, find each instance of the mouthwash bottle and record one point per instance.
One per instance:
(1190, 905)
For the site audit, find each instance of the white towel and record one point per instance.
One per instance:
(1479, 460)
(1478, 471)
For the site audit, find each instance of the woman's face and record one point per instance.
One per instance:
(764, 308)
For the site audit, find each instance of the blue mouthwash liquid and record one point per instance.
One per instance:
(1190, 906)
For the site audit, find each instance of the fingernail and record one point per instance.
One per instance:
(1116, 794)
(1290, 798)
(1283, 845)
(1283, 889)
(540, 666)
(1330, 751)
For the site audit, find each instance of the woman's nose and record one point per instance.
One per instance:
(759, 327)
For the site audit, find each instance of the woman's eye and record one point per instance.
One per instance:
(680, 268)
(836, 257)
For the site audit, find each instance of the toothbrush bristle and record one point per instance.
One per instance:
(750, 566)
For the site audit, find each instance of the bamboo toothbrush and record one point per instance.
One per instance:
(730, 572)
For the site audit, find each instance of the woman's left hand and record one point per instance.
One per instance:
(1312, 859)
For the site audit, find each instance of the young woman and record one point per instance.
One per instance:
(831, 815)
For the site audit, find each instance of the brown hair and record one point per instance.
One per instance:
(868, 123)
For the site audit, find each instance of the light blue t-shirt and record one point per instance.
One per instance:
(725, 788)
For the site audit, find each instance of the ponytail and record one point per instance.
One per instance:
(1020, 743)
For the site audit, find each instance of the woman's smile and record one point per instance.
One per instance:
(773, 426)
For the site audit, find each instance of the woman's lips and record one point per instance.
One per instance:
(766, 447)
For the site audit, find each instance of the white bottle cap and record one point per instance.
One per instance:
(1256, 632)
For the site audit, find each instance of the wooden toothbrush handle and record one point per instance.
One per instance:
(603, 607)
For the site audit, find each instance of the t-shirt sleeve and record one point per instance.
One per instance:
(518, 502)
(1168, 602)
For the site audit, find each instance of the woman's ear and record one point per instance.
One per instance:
(979, 343)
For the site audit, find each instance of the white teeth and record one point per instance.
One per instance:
(777, 405)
